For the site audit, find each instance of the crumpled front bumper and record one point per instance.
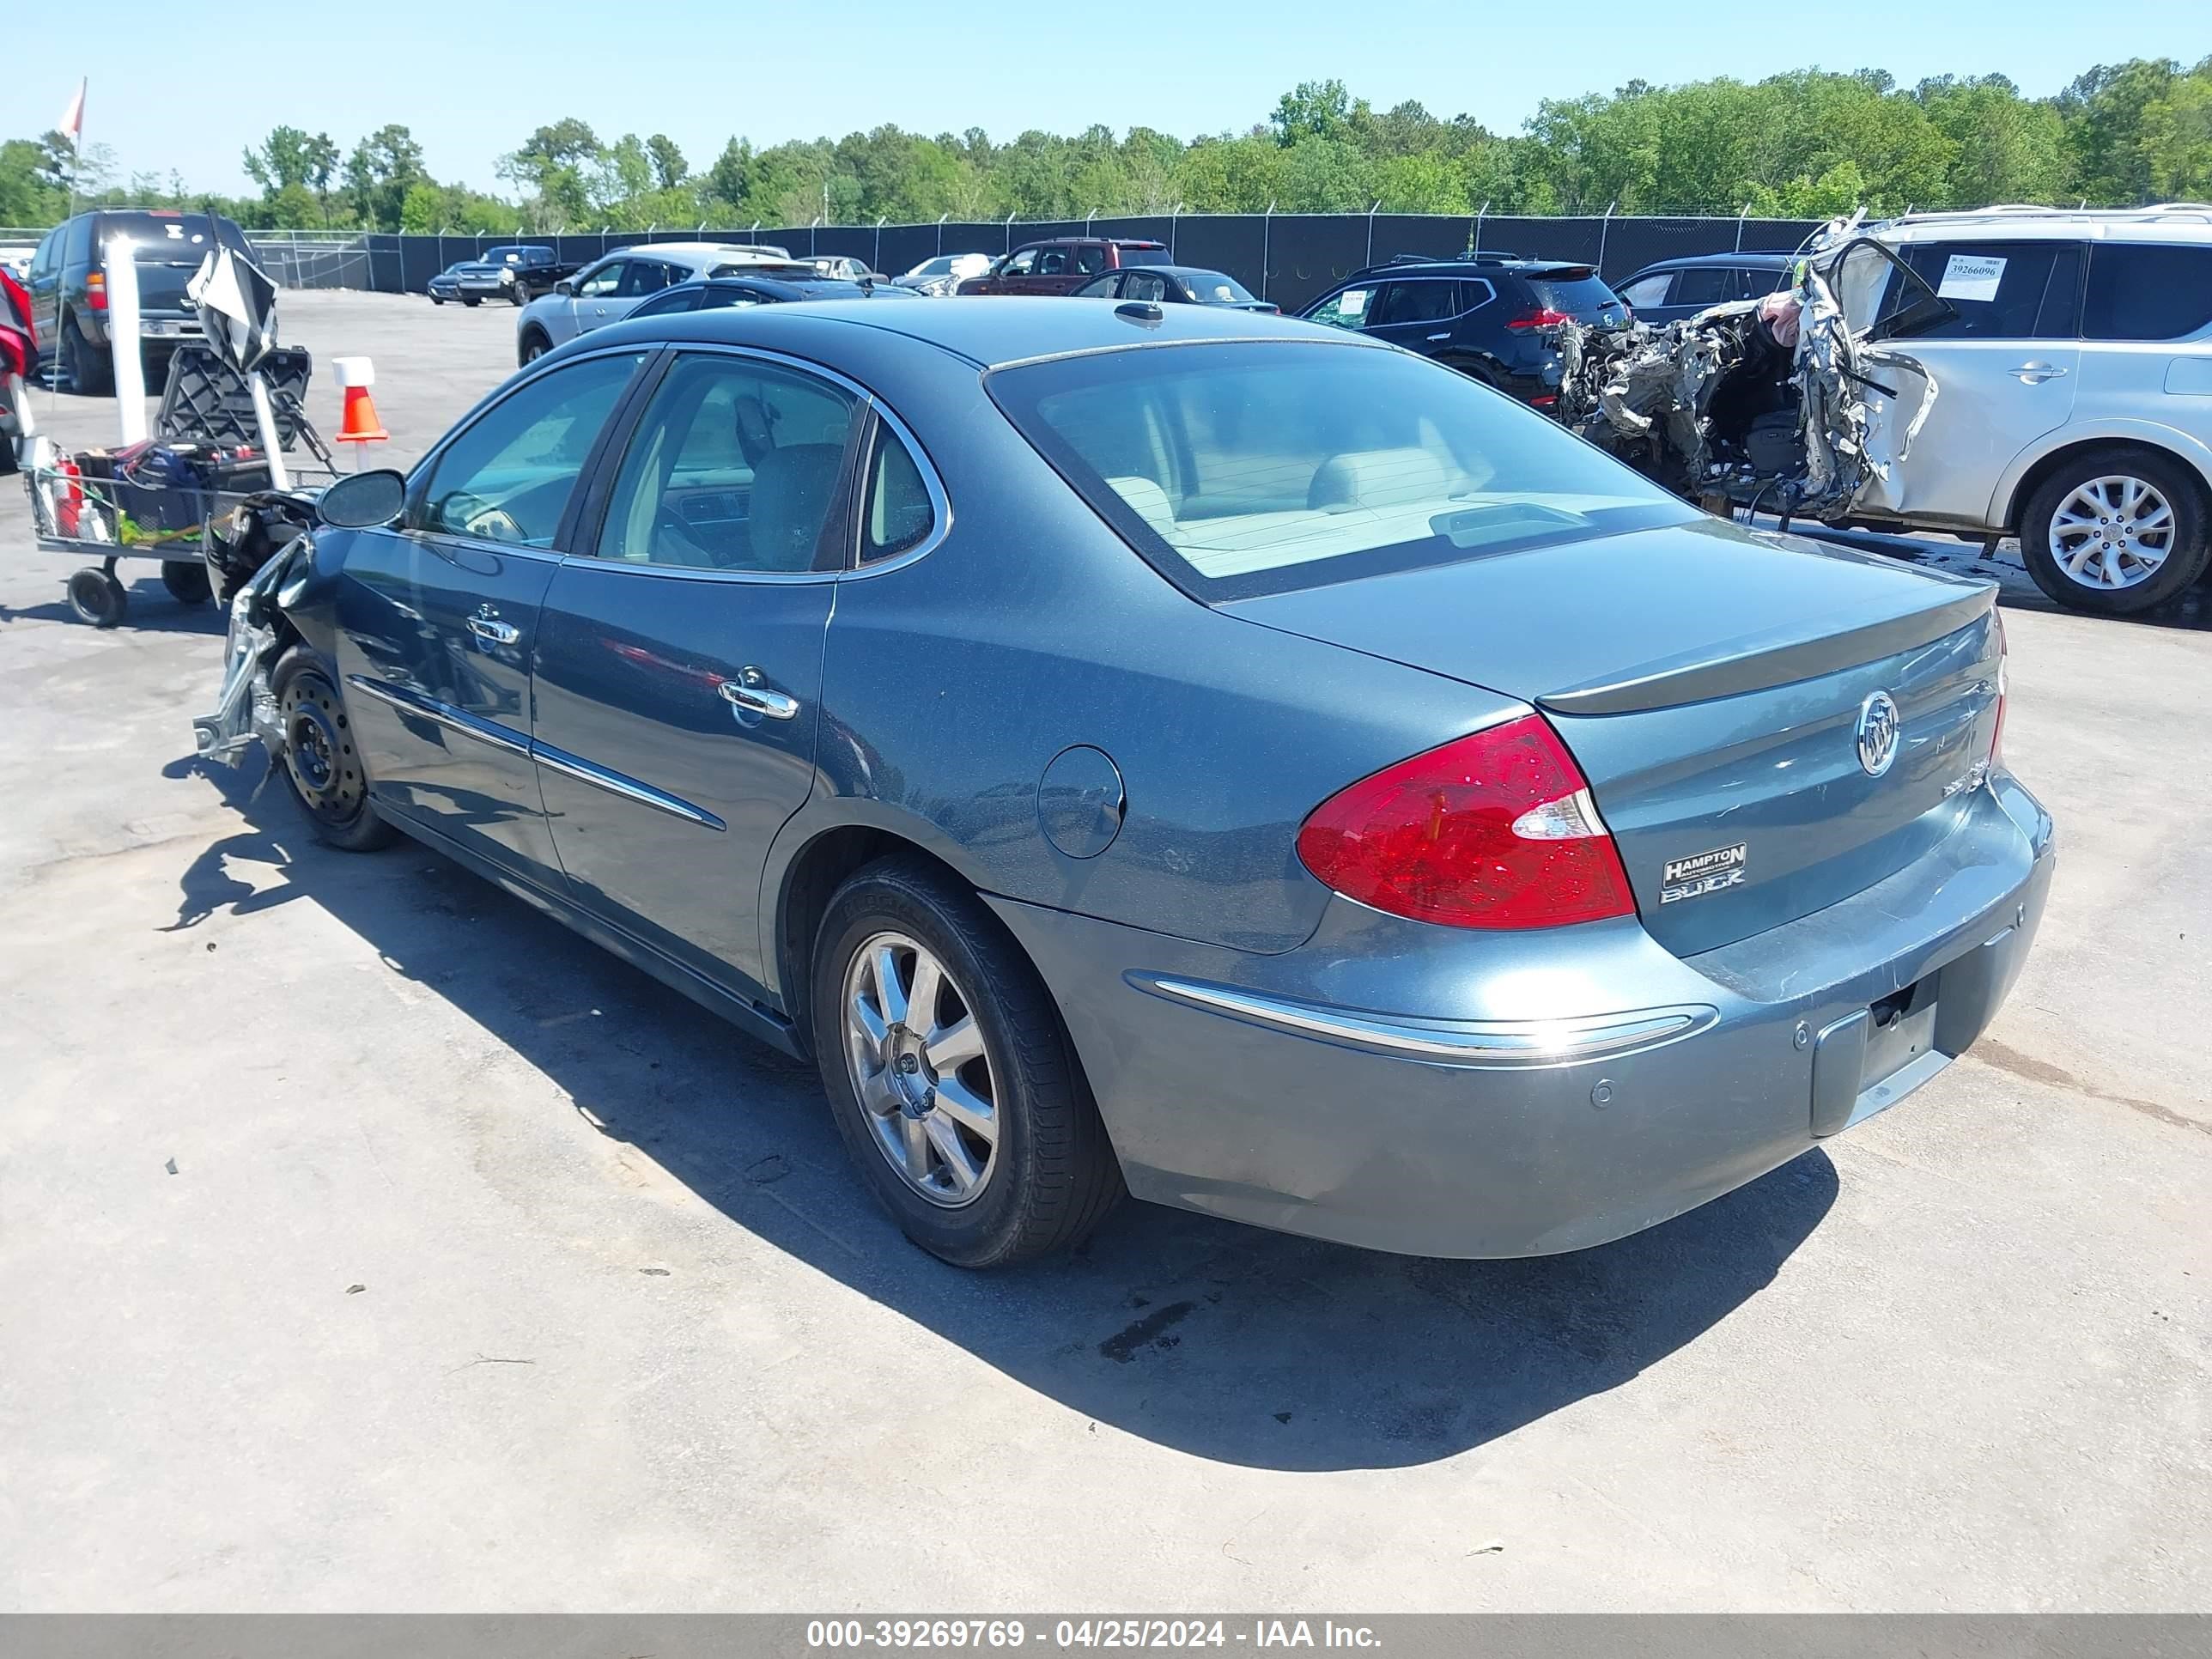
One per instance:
(246, 708)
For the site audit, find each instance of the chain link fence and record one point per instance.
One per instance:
(1289, 257)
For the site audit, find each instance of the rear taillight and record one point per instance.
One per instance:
(1545, 318)
(1493, 830)
(95, 291)
(2004, 656)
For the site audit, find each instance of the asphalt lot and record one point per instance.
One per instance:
(491, 1275)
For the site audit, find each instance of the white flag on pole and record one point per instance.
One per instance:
(72, 126)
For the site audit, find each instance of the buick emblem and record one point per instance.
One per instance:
(1877, 734)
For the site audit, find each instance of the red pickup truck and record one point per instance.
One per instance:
(1061, 264)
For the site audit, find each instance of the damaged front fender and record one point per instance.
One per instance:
(260, 631)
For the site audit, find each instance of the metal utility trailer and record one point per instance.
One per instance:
(205, 402)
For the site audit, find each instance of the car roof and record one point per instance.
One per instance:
(1516, 266)
(1070, 241)
(1009, 329)
(1749, 258)
(1175, 270)
(2168, 222)
(788, 287)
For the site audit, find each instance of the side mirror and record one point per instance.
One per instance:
(565, 286)
(364, 500)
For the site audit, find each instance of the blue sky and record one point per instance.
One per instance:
(472, 80)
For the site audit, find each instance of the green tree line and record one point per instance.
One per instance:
(1803, 144)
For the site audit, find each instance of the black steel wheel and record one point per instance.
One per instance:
(97, 596)
(322, 763)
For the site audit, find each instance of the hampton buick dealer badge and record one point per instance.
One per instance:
(1702, 873)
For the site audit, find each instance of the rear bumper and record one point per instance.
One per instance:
(1436, 1092)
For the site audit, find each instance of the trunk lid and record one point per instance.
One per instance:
(1712, 684)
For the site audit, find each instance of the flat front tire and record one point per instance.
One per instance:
(952, 1081)
(322, 764)
(2116, 532)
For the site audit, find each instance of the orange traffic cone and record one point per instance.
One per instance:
(360, 424)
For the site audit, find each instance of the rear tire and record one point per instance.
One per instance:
(1045, 1174)
(2071, 548)
(89, 372)
(322, 766)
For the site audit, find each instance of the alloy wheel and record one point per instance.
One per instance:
(2112, 533)
(919, 1067)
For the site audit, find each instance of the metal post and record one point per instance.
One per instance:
(876, 263)
(1267, 243)
(1010, 233)
(1604, 226)
(1740, 218)
(1174, 214)
(1479, 218)
(941, 218)
(814, 231)
(1370, 230)
(1087, 218)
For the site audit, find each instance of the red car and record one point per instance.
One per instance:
(1060, 264)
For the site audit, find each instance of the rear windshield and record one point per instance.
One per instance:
(1213, 288)
(162, 238)
(1266, 465)
(1580, 296)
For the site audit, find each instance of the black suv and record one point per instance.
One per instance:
(1493, 316)
(69, 288)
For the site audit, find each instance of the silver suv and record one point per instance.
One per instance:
(2072, 359)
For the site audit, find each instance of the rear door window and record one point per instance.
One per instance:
(1417, 301)
(643, 276)
(2145, 291)
(1706, 285)
(1091, 258)
(1994, 289)
(1649, 290)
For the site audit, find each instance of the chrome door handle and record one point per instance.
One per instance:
(2036, 374)
(1446, 335)
(748, 694)
(487, 626)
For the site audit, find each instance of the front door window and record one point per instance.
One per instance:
(508, 477)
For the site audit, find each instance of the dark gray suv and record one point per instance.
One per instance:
(68, 289)
(1495, 318)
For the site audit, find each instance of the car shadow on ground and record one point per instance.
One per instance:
(152, 611)
(1223, 1341)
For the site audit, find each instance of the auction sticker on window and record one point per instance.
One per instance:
(1971, 276)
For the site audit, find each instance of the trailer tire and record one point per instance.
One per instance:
(97, 596)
